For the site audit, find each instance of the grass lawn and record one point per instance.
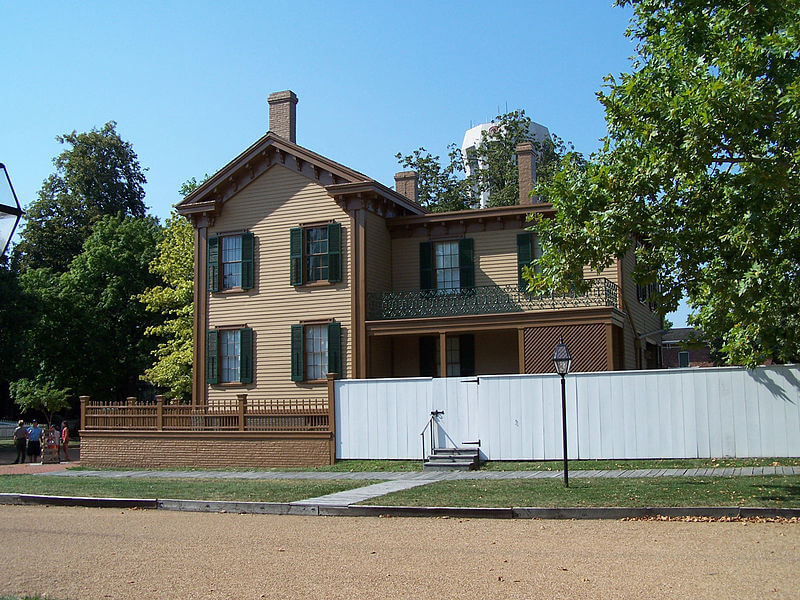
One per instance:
(282, 490)
(672, 463)
(764, 491)
(371, 466)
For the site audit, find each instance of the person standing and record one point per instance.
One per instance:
(34, 441)
(65, 440)
(20, 440)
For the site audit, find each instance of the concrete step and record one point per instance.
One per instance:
(455, 465)
(456, 459)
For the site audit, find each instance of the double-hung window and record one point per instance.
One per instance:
(229, 355)
(315, 253)
(459, 352)
(230, 262)
(446, 266)
(316, 350)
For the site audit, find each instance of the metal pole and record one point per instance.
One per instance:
(564, 428)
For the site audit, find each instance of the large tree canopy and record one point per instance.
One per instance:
(88, 329)
(700, 167)
(99, 174)
(173, 299)
(443, 186)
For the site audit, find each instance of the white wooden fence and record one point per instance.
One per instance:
(681, 413)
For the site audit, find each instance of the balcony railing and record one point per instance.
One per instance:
(490, 299)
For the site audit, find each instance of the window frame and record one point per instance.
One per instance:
(299, 256)
(428, 270)
(215, 259)
(214, 356)
(299, 352)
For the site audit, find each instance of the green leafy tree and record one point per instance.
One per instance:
(97, 175)
(39, 395)
(88, 333)
(173, 299)
(700, 166)
(444, 187)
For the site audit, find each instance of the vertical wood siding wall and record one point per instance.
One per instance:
(685, 413)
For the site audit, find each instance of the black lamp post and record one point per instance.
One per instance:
(10, 210)
(562, 361)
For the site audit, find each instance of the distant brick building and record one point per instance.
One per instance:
(685, 347)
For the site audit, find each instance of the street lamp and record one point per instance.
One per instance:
(10, 210)
(562, 361)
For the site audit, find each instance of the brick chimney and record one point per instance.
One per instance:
(526, 164)
(405, 182)
(283, 114)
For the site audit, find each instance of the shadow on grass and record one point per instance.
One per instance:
(780, 492)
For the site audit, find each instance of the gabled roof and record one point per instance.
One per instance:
(272, 150)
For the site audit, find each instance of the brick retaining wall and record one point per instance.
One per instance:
(203, 449)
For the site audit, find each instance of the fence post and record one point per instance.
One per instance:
(332, 414)
(84, 401)
(242, 398)
(131, 400)
(160, 413)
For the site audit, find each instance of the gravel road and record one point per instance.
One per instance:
(120, 554)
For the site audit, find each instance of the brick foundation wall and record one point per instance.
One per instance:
(205, 450)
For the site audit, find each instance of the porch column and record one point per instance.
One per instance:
(442, 354)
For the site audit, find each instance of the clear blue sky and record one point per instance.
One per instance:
(187, 82)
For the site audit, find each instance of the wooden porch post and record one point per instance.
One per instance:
(84, 401)
(442, 354)
(160, 413)
(242, 398)
(332, 414)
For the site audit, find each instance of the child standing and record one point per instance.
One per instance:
(65, 440)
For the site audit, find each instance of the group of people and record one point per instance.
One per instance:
(30, 439)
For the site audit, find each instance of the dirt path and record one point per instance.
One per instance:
(105, 553)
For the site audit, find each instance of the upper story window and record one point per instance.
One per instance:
(447, 265)
(315, 253)
(528, 254)
(230, 262)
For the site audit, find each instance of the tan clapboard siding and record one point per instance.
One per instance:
(644, 320)
(610, 273)
(379, 255)
(495, 257)
(270, 207)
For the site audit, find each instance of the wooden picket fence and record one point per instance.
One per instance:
(240, 414)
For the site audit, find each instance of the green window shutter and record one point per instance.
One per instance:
(296, 255)
(537, 254)
(212, 357)
(248, 274)
(426, 265)
(523, 257)
(334, 252)
(428, 357)
(466, 264)
(212, 261)
(246, 355)
(466, 349)
(335, 348)
(298, 358)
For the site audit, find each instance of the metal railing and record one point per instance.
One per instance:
(489, 299)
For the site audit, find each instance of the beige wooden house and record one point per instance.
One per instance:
(305, 267)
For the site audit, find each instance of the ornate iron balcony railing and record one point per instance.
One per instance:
(483, 300)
